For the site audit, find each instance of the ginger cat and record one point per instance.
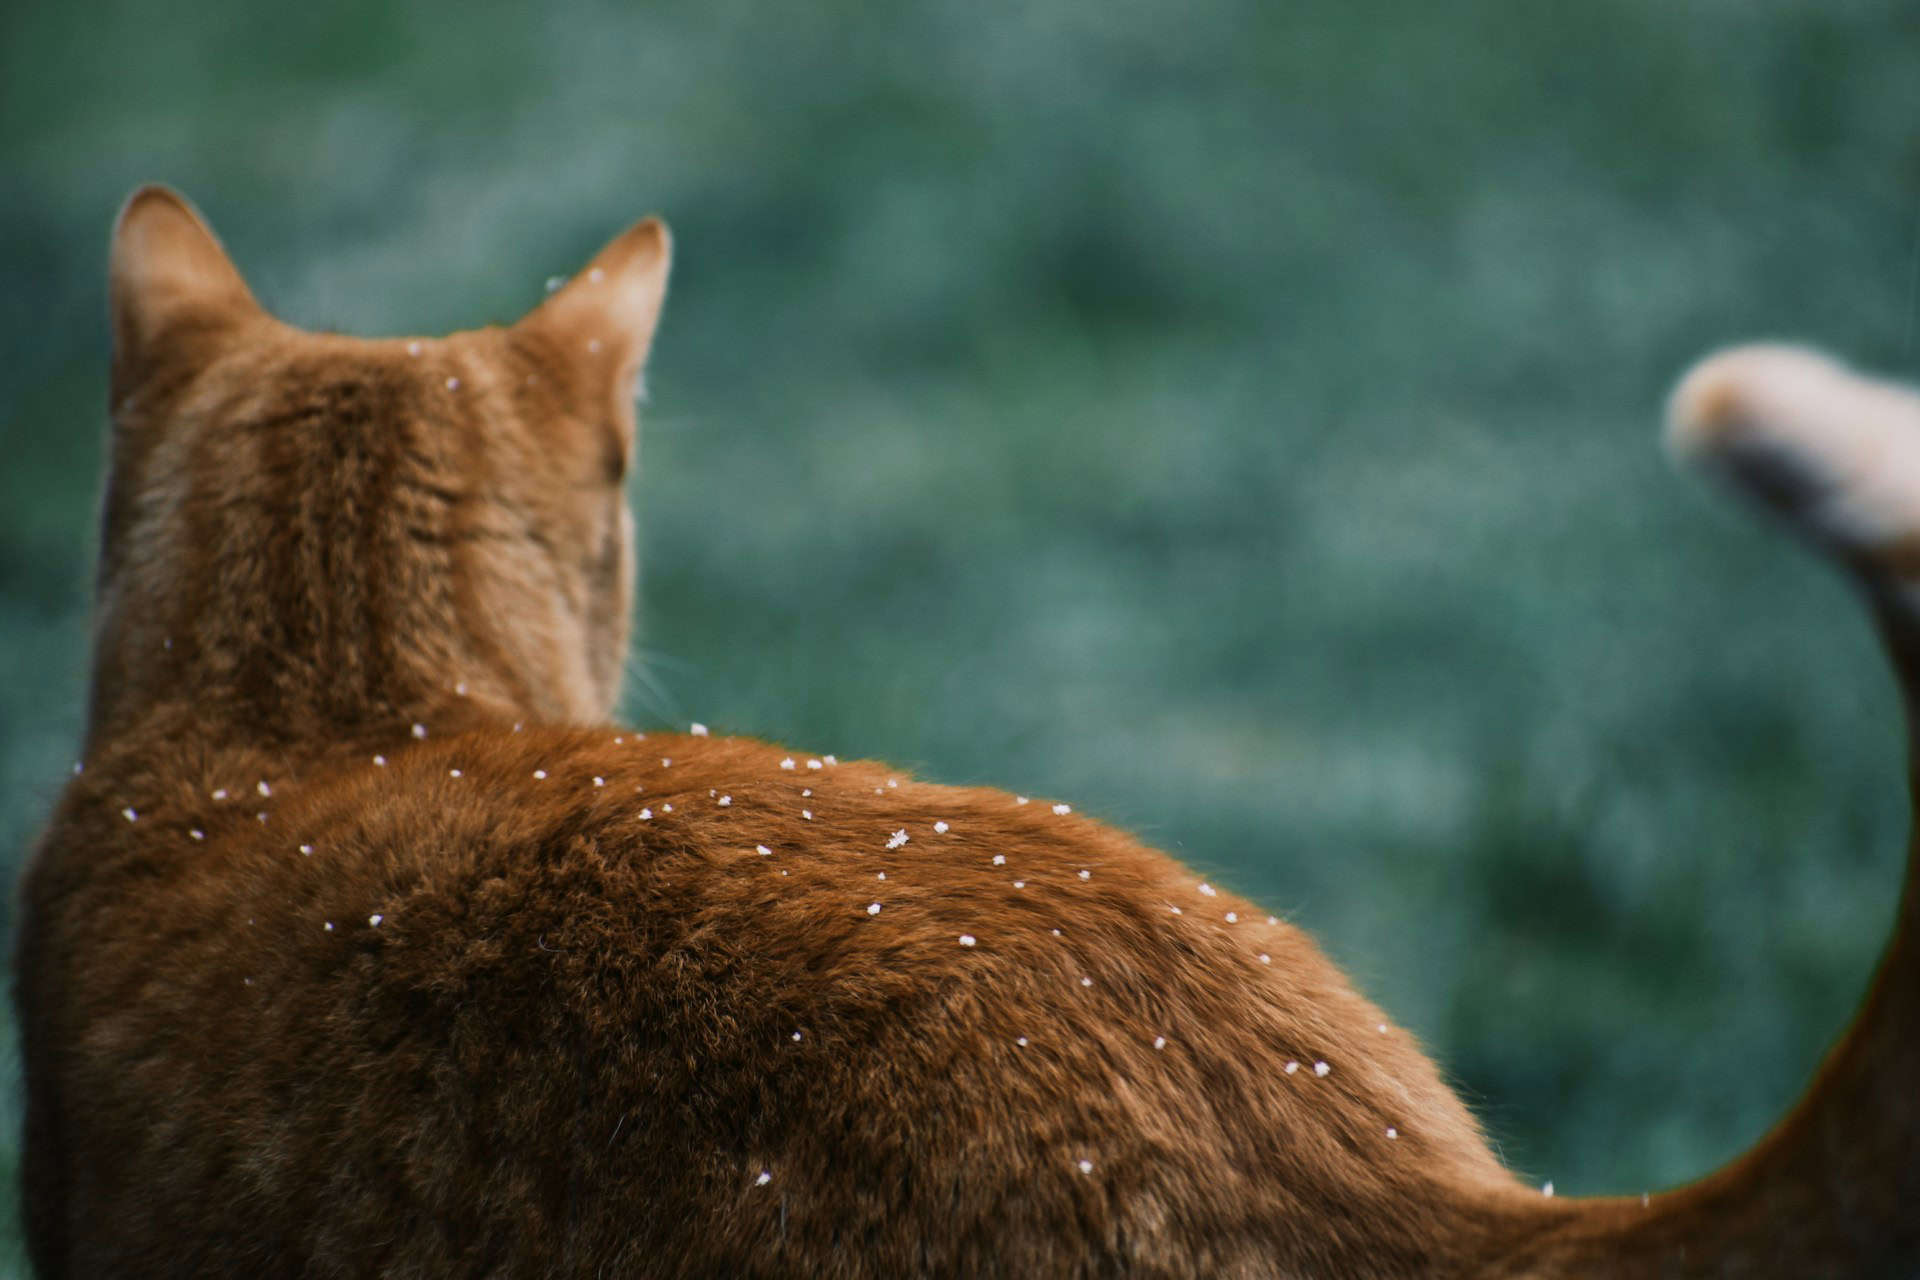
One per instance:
(362, 945)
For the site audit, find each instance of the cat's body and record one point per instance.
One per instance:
(358, 948)
(495, 1021)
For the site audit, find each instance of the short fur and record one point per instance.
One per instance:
(362, 946)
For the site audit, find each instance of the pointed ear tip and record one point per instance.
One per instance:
(150, 198)
(157, 220)
(652, 234)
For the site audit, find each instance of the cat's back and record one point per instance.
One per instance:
(502, 994)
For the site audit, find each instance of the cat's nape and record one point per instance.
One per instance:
(361, 945)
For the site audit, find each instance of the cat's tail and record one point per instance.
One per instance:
(1833, 453)
(1834, 1190)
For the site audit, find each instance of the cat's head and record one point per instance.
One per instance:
(311, 524)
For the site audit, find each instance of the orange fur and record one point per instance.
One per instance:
(361, 946)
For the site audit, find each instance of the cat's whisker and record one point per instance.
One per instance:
(647, 687)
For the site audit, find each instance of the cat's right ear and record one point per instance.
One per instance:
(169, 283)
(605, 317)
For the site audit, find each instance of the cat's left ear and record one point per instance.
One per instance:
(171, 287)
(604, 318)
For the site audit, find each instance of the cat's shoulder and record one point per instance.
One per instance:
(695, 799)
(723, 837)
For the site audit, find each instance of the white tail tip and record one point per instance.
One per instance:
(1836, 453)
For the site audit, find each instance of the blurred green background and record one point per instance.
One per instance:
(1236, 418)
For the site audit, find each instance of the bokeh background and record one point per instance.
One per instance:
(1236, 418)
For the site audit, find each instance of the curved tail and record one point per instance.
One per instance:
(1834, 1189)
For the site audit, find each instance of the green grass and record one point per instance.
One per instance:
(1236, 419)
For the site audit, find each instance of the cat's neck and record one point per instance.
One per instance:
(300, 671)
(290, 710)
